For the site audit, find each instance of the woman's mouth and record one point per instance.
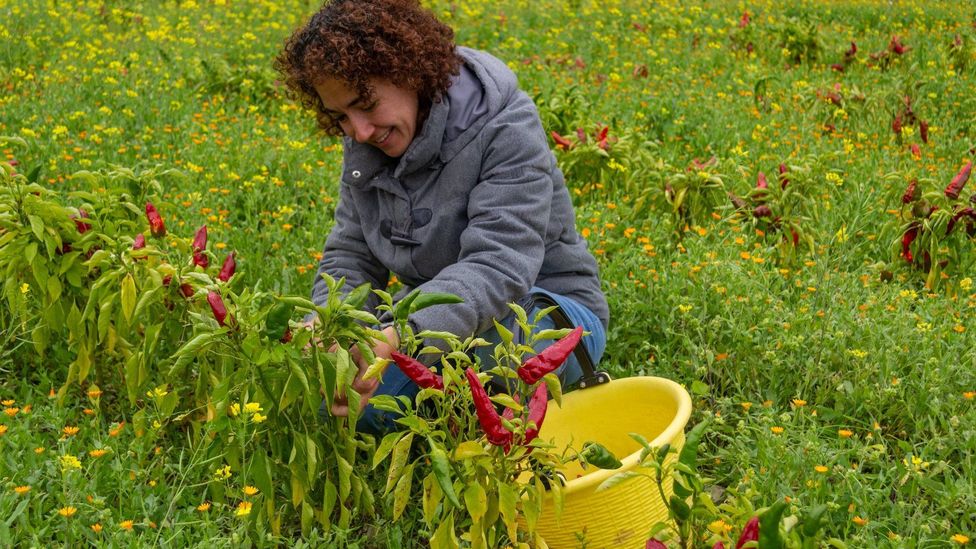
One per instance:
(383, 138)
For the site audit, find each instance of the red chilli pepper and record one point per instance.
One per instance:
(217, 307)
(906, 242)
(959, 181)
(488, 417)
(199, 245)
(909, 195)
(561, 141)
(156, 226)
(550, 358)
(415, 370)
(896, 125)
(601, 138)
(761, 182)
(537, 412)
(654, 544)
(228, 268)
(79, 224)
(782, 176)
(139, 242)
(923, 131)
(749, 533)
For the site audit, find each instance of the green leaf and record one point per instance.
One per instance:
(469, 449)
(398, 461)
(385, 447)
(401, 494)
(507, 500)
(442, 472)
(443, 537)
(261, 472)
(431, 499)
(475, 501)
(128, 296)
(618, 479)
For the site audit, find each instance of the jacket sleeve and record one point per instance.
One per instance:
(346, 253)
(503, 246)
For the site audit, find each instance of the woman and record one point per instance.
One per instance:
(447, 179)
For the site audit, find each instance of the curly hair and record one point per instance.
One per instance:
(355, 40)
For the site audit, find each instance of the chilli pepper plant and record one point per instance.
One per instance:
(470, 437)
(937, 228)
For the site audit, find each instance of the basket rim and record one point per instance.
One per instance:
(682, 415)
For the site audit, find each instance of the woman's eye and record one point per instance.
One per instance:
(370, 106)
(341, 118)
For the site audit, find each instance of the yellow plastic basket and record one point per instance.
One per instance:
(619, 517)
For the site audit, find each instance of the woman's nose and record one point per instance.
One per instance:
(360, 129)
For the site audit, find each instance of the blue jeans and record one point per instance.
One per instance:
(395, 383)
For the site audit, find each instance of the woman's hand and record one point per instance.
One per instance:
(366, 387)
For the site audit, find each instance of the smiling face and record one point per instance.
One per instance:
(387, 120)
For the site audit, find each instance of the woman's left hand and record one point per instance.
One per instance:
(366, 387)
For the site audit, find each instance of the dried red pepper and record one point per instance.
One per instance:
(923, 131)
(959, 181)
(762, 210)
(217, 307)
(749, 533)
(417, 371)
(488, 417)
(909, 195)
(916, 151)
(537, 412)
(782, 176)
(139, 242)
(156, 226)
(550, 358)
(199, 245)
(228, 268)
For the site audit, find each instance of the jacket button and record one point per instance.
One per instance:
(356, 174)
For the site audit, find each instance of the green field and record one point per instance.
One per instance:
(834, 356)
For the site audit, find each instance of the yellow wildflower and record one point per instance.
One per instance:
(960, 539)
(204, 507)
(845, 433)
(69, 462)
(70, 431)
(97, 527)
(858, 520)
(243, 509)
(776, 429)
(67, 512)
(821, 469)
(21, 490)
(126, 525)
(250, 490)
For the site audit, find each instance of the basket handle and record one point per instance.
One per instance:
(591, 376)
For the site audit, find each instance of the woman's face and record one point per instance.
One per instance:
(387, 121)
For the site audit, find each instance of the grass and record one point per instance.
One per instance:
(827, 381)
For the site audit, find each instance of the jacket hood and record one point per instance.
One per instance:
(482, 89)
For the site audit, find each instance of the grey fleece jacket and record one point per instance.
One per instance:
(475, 207)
